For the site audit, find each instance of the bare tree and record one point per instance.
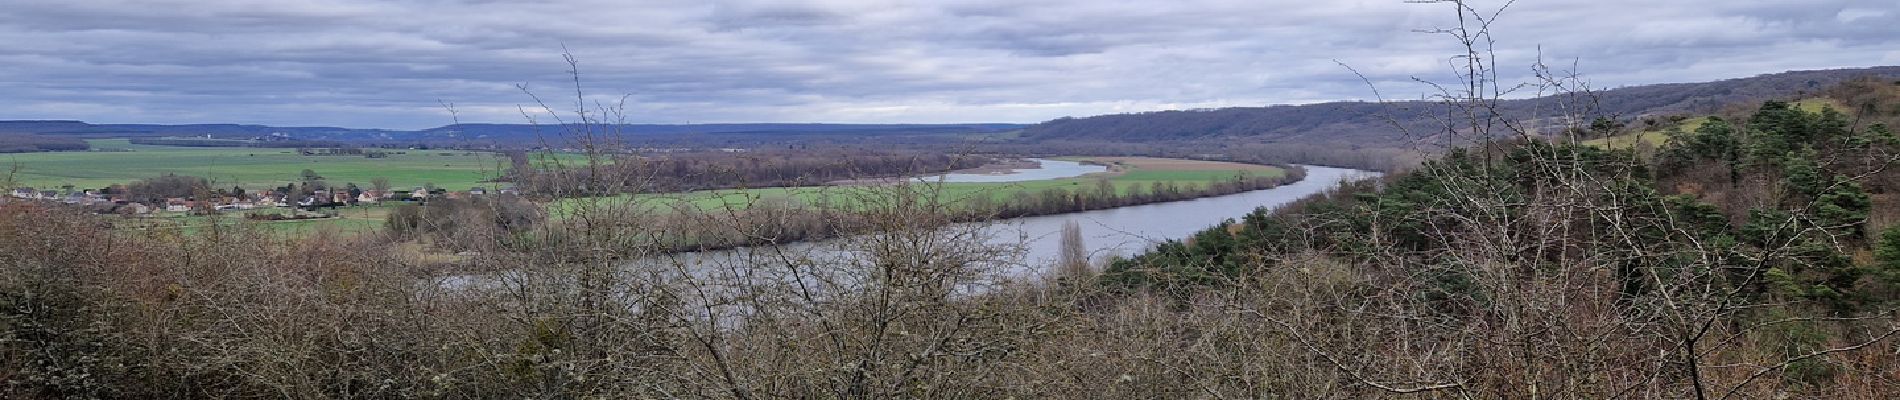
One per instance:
(1073, 261)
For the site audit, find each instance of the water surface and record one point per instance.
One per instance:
(1129, 231)
(1051, 169)
(1125, 231)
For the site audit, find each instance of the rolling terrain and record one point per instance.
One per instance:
(1371, 124)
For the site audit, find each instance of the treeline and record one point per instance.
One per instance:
(234, 143)
(16, 143)
(1334, 123)
(1104, 194)
(1366, 157)
(1411, 124)
(682, 172)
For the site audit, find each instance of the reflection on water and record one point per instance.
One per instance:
(1051, 169)
(1132, 230)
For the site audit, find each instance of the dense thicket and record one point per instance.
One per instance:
(1740, 259)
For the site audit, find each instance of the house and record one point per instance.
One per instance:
(49, 195)
(178, 205)
(509, 190)
(25, 193)
(477, 191)
(369, 197)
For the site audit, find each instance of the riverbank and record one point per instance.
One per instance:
(829, 213)
(717, 220)
(1035, 241)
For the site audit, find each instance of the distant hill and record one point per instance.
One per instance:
(89, 130)
(503, 135)
(1363, 123)
(532, 132)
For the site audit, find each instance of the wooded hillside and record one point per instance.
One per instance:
(1373, 124)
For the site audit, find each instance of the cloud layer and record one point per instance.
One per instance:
(387, 64)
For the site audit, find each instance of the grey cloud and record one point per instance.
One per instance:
(367, 63)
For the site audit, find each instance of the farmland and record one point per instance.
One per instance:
(1129, 175)
(115, 161)
(230, 166)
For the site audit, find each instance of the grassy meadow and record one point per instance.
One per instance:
(1654, 138)
(115, 161)
(1127, 174)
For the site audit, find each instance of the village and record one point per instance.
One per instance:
(117, 200)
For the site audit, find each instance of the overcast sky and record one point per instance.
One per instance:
(386, 64)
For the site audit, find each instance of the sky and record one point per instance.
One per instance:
(395, 64)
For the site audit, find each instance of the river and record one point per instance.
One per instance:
(1127, 231)
(1047, 169)
(1035, 242)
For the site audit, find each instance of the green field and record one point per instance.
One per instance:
(255, 168)
(262, 168)
(1816, 105)
(1132, 177)
(1656, 138)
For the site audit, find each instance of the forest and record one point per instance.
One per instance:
(12, 143)
(1362, 123)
